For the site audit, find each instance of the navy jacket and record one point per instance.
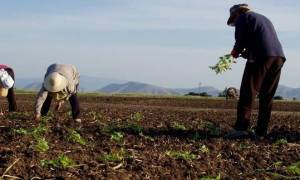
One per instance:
(256, 34)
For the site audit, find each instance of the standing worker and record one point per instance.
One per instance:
(256, 41)
(60, 83)
(7, 80)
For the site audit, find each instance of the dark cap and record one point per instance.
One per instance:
(234, 10)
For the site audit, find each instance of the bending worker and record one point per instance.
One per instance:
(255, 40)
(7, 80)
(60, 83)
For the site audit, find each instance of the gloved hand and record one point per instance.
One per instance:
(234, 53)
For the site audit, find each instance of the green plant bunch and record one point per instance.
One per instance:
(75, 137)
(224, 64)
(62, 161)
(114, 156)
(184, 155)
(138, 116)
(20, 131)
(41, 145)
(294, 168)
(116, 136)
(211, 178)
(178, 126)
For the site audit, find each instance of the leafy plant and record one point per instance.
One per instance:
(204, 149)
(75, 137)
(281, 141)
(294, 168)
(95, 115)
(211, 178)
(62, 161)
(116, 136)
(223, 65)
(178, 126)
(41, 145)
(138, 116)
(115, 156)
(184, 155)
(212, 128)
(39, 131)
(20, 131)
(134, 128)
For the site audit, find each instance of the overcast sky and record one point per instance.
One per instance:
(170, 43)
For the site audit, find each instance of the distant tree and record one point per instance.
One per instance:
(223, 93)
(205, 94)
(294, 99)
(278, 98)
(192, 94)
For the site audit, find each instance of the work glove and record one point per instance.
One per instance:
(234, 53)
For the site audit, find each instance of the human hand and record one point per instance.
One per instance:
(37, 117)
(59, 105)
(234, 53)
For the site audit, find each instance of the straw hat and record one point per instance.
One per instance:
(55, 82)
(3, 92)
(234, 10)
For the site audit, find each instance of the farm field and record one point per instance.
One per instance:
(132, 137)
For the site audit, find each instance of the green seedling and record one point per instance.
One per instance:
(41, 145)
(134, 128)
(95, 115)
(116, 136)
(294, 168)
(138, 116)
(244, 146)
(115, 156)
(62, 161)
(39, 131)
(184, 155)
(211, 178)
(223, 65)
(178, 126)
(204, 149)
(212, 128)
(146, 137)
(281, 141)
(75, 137)
(20, 131)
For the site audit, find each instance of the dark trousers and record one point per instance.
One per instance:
(11, 98)
(73, 101)
(260, 78)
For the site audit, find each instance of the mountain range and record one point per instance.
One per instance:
(114, 86)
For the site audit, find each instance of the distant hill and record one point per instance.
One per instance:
(136, 87)
(288, 92)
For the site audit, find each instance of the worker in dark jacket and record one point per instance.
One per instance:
(7, 78)
(256, 41)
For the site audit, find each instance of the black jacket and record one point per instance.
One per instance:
(256, 34)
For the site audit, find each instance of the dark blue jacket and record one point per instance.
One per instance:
(256, 34)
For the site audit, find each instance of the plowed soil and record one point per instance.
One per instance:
(147, 138)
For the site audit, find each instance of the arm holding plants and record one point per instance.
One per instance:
(41, 97)
(240, 38)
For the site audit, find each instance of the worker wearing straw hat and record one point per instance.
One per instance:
(7, 78)
(255, 40)
(60, 83)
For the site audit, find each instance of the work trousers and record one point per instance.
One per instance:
(260, 78)
(73, 102)
(11, 97)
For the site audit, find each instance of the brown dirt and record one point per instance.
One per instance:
(147, 139)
